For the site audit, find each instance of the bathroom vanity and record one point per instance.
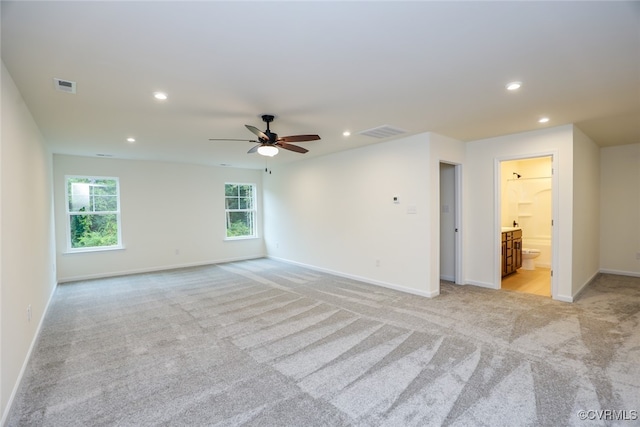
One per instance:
(511, 250)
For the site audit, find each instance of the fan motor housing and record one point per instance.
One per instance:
(273, 137)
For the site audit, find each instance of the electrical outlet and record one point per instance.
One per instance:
(638, 255)
(29, 313)
(177, 251)
(377, 263)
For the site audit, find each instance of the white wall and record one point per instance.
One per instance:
(586, 210)
(337, 213)
(620, 209)
(482, 214)
(26, 251)
(164, 207)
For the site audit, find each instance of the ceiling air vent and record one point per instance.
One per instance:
(64, 85)
(384, 131)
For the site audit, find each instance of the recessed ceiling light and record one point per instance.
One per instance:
(514, 85)
(346, 133)
(543, 120)
(160, 95)
(131, 140)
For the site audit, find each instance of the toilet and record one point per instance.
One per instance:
(528, 255)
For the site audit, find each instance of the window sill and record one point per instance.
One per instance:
(89, 250)
(233, 239)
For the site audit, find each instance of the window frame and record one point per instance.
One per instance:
(69, 213)
(253, 210)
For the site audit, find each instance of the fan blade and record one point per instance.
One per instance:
(291, 147)
(299, 138)
(257, 132)
(254, 149)
(231, 139)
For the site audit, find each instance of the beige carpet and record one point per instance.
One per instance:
(267, 343)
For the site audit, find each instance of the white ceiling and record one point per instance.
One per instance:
(320, 67)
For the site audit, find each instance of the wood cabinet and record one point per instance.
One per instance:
(511, 251)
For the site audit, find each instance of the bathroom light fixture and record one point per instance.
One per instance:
(543, 120)
(268, 150)
(131, 140)
(160, 95)
(346, 133)
(514, 85)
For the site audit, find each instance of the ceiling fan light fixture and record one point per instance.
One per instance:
(514, 86)
(268, 142)
(268, 150)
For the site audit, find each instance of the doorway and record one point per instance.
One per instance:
(450, 236)
(526, 216)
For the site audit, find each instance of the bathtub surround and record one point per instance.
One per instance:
(267, 343)
(527, 198)
(529, 203)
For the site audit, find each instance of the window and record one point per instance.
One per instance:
(93, 211)
(240, 210)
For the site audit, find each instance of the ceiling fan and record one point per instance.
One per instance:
(268, 142)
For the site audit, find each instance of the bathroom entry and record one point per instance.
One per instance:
(526, 211)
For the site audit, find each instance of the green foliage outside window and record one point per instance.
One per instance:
(93, 212)
(240, 210)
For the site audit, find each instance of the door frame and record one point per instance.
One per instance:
(458, 271)
(555, 227)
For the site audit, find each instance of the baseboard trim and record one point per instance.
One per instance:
(620, 272)
(563, 298)
(154, 269)
(577, 294)
(36, 336)
(360, 278)
(481, 284)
